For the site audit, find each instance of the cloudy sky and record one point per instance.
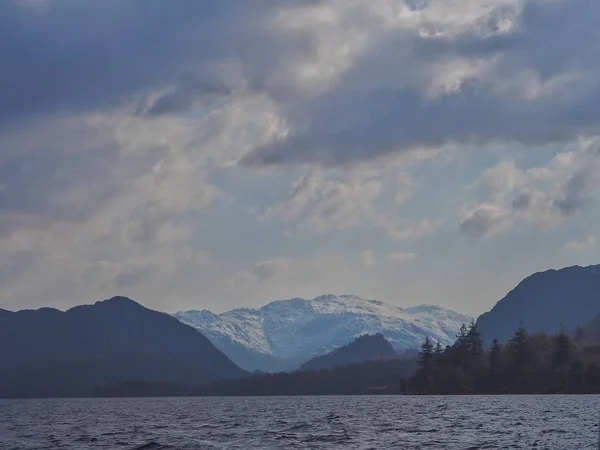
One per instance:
(216, 154)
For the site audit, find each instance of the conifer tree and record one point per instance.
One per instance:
(474, 341)
(476, 352)
(495, 358)
(427, 354)
(519, 347)
(426, 360)
(562, 350)
(526, 364)
(460, 349)
(461, 337)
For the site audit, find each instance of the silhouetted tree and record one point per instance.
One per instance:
(562, 350)
(461, 348)
(535, 363)
(474, 341)
(426, 364)
(494, 367)
(426, 355)
(519, 347)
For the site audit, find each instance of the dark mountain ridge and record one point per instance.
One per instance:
(363, 348)
(48, 352)
(545, 301)
(591, 331)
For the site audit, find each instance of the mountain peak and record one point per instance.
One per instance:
(118, 302)
(119, 299)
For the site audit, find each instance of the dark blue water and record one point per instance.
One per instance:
(527, 422)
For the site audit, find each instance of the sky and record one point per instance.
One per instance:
(218, 154)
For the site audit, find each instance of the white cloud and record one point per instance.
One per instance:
(323, 200)
(321, 203)
(542, 196)
(108, 203)
(581, 246)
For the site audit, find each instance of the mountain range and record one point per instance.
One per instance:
(47, 352)
(286, 333)
(546, 301)
(119, 347)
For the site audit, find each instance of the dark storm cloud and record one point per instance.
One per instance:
(71, 55)
(361, 117)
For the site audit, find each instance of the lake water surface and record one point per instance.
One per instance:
(378, 422)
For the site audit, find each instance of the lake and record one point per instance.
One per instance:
(369, 422)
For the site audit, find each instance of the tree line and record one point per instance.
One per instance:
(526, 364)
(370, 377)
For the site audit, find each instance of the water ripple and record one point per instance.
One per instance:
(411, 423)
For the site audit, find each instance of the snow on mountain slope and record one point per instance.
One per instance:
(295, 330)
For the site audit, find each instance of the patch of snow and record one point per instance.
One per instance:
(300, 328)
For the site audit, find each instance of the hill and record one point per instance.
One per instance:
(283, 334)
(364, 348)
(545, 301)
(47, 352)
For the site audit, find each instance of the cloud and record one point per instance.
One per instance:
(320, 201)
(387, 77)
(485, 220)
(323, 200)
(67, 57)
(581, 246)
(542, 196)
(108, 203)
(109, 136)
(73, 170)
(351, 80)
(127, 130)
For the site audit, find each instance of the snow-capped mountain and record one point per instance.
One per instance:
(285, 333)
